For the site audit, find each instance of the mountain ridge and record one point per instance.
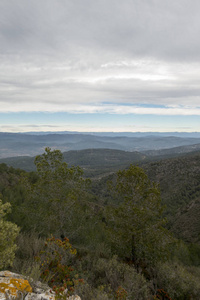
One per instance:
(20, 144)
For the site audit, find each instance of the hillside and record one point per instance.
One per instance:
(179, 182)
(20, 144)
(186, 224)
(179, 179)
(173, 151)
(98, 220)
(102, 161)
(93, 161)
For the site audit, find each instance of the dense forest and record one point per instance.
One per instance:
(130, 234)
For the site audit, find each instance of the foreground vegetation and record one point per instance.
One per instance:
(102, 244)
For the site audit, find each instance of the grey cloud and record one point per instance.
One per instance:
(60, 52)
(165, 29)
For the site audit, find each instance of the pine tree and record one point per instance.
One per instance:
(136, 224)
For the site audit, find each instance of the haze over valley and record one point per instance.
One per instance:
(25, 144)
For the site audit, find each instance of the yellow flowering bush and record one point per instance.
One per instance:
(56, 266)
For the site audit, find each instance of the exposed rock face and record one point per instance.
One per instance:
(16, 286)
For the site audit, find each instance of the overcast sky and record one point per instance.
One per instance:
(103, 65)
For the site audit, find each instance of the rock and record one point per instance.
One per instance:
(12, 284)
(15, 286)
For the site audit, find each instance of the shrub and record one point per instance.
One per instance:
(28, 247)
(56, 262)
(179, 281)
(123, 279)
(8, 234)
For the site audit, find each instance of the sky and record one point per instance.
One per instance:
(103, 65)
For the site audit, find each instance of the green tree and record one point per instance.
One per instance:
(8, 234)
(55, 202)
(136, 224)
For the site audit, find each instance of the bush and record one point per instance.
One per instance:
(29, 245)
(179, 281)
(56, 262)
(8, 234)
(123, 279)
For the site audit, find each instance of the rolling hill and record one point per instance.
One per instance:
(20, 144)
(93, 161)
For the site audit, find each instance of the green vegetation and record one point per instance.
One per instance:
(8, 234)
(104, 238)
(94, 162)
(56, 262)
(136, 224)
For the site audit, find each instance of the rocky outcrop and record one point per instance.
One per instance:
(16, 286)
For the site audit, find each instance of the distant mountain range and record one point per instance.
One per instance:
(31, 144)
(128, 134)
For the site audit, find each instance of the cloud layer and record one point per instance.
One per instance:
(102, 56)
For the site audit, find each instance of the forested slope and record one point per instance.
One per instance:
(95, 162)
(179, 182)
(178, 178)
(119, 243)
